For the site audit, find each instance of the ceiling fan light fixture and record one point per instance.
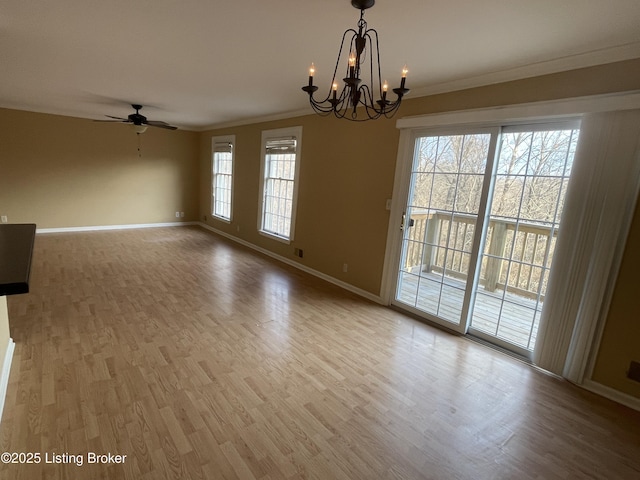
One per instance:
(138, 121)
(358, 92)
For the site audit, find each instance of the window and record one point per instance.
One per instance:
(222, 177)
(484, 208)
(279, 173)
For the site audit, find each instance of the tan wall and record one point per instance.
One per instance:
(347, 172)
(66, 172)
(621, 338)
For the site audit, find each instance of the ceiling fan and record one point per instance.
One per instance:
(139, 121)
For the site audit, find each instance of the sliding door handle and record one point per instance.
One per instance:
(404, 220)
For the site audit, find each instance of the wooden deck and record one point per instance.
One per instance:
(514, 321)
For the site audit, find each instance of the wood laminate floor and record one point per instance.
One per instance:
(200, 359)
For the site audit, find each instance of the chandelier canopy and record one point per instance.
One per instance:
(358, 91)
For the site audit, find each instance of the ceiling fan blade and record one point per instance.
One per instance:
(160, 124)
(138, 119)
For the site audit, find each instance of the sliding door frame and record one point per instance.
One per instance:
(529, 113)
(406, 166)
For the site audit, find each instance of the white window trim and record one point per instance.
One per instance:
(544, 111)
(222, 139)
(266, 136)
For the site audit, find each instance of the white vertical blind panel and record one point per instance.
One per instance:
(600, 200)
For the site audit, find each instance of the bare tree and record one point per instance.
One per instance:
(530, 179)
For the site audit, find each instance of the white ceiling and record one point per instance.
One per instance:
(199, 63)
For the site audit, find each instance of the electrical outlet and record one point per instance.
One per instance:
(345, 267)
(298, 252)
(4, 219)
(177, 214)
(181, 214)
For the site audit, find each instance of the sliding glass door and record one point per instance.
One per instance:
(440, 224)
(530, 182)
(478, 234)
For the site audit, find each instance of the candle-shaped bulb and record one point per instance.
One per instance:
(404, 76)
(334, 87)
(385, 86)
(312, 70)
(352, 65)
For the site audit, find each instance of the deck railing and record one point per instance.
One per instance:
(515, 253)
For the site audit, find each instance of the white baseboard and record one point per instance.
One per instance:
(113, 227)
(612, 394)
(4, 375)
(299, 266)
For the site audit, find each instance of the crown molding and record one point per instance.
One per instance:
(593, 58)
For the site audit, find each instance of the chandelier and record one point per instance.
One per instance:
(363, 61)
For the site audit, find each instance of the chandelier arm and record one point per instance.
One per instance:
(368, 99)
(367, 106)
(344, 36)
(378, 60)
(320, 109)
(390, 109)
(317, 104)
(321, 113)
(325, 100)
(370, 35)
(340, 113)
(370, 108)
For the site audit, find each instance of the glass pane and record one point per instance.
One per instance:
(221, 184)
(429, 298)
(446, 183)
(486, 313)
(532, 173)
(451, 301)
(421, 192)
(407, 291)
(443, 191)
(425, 154)
(469, 190)
(507, 196)
(515, 323)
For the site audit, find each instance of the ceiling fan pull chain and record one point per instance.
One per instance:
(139, 152)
